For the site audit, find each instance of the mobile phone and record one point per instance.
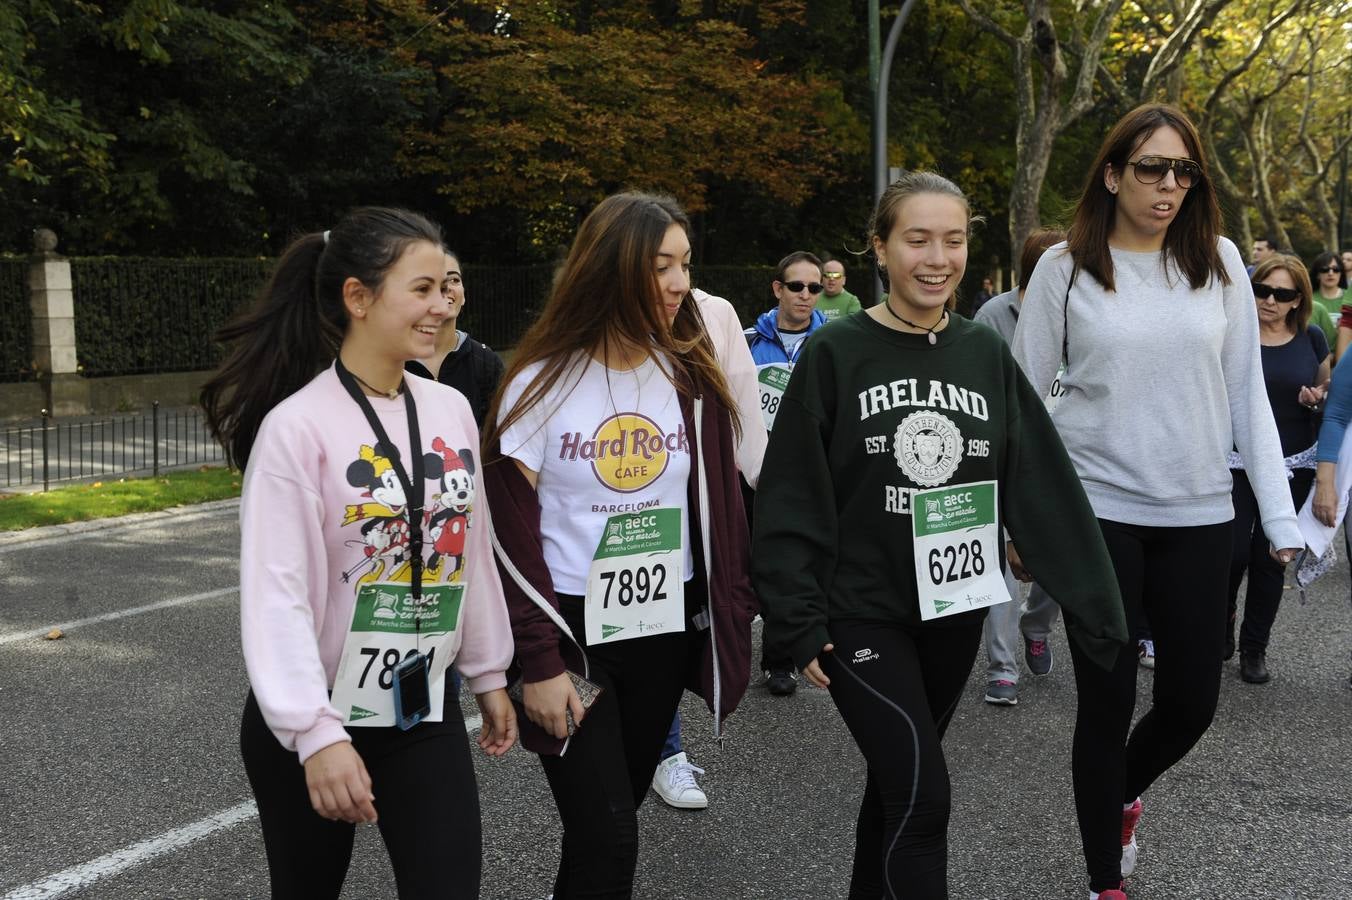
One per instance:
(587, 692)
(412, 696)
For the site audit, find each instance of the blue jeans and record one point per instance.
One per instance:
(673, 744)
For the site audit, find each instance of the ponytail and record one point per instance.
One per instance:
(297, 324)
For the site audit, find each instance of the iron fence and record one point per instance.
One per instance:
(502, 301)
(56, 451)
(16, 321)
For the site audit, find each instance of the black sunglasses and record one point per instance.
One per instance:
(1150, 169)
(1337, 270)
(1281, 295)
(813, 287)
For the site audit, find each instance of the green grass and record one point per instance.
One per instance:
(117, 497)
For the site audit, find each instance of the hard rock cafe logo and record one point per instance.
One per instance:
(928, 448)
(627, 452)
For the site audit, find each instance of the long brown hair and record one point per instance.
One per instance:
(1189, 242)
(298, 320)
(606, 296)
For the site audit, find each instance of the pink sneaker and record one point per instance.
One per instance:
(1113, 895)
(1131, 817)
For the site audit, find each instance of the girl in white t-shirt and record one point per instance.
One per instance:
(611, 447)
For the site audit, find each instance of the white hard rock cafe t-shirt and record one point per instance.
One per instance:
(604, 442)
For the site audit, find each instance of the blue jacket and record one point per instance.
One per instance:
(763, 338)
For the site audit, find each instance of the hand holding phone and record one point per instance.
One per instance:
(556, 704)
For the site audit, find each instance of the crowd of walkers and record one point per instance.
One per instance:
(588, 532)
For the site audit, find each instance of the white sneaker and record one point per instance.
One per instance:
(675, 783)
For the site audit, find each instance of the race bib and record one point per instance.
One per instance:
(957, 566)
(635, 588)
(1057, 391)
(382, 634)
(773, 379)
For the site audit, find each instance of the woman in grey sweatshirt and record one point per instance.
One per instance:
(1154, 315)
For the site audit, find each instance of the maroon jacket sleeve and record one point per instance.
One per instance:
(516, 519)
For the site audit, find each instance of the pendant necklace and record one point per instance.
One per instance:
(933, 338)
(391, 394)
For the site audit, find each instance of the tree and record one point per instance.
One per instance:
(1050, 99)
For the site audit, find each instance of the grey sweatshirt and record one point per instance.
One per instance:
(1161, 382)
(1000, 312)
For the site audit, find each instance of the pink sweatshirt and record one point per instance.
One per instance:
(725, 330)
(322, 512)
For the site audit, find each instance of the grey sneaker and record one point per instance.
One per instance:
(1002, 693)
(1038, 656)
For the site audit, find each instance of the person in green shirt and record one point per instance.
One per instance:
(1330, 289)
(835, 302)
(906, 444)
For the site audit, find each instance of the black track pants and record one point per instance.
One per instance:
(426, 800)
(896, 688)
(1266, 576)
(1173, 579)
(602, 778)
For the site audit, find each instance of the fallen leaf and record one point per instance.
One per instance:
(55, 634)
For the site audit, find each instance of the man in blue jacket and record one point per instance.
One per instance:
(776, 340)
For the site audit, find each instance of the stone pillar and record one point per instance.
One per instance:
(53, 307)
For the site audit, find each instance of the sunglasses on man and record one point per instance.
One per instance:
(1332, 270)
(813, 287)
(1150, 169)
(1281, 295)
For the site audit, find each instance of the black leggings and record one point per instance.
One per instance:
(1173, 579)
(1266, 575)
(602, 778)
(426, 800)
(896, 688)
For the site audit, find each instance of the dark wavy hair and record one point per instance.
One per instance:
(1190, 242)
(297, 323)
(1321, 262)
(606, 294)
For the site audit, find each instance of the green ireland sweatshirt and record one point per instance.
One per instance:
(870, 415)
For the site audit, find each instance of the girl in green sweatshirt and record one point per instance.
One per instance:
(906, 443)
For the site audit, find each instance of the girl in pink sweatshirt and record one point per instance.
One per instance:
(365, 568)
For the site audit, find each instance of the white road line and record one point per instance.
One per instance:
(28, 634)
(82, 876)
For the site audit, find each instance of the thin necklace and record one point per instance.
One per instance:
(933, 338)
(392, 393)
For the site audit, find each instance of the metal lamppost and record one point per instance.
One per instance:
(879, 73)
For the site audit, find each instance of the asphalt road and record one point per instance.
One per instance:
(121, 775)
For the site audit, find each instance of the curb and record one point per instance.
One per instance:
(47, 532)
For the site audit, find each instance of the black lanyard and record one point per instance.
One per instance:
(413, 491)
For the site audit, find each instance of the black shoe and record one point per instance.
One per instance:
(1230, 639)
(781, 682)
(1253, 667)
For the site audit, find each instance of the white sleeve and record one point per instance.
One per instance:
(1040, 336)
(526, 439)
